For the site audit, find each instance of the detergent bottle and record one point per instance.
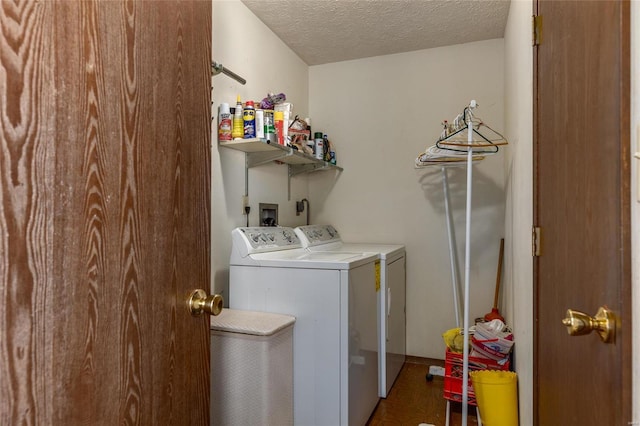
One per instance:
(279, 126)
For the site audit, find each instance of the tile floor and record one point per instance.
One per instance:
(414, 400)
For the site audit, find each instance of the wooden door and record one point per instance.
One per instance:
(104, 213)
(582, 177)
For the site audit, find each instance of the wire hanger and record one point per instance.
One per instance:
(453, 145)
(454, 136)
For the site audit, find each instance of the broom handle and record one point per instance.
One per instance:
(499, 275)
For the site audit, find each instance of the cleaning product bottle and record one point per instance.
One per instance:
(249, 120)
(238, 124)
(269, 127)
(279, 125)
(319, 146)
(260, 123)
(325, 146)
(332, 154)
(224, 123)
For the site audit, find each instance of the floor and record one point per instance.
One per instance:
(414, 400)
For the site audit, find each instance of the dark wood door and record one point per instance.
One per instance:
(104, 213)
(582, 194)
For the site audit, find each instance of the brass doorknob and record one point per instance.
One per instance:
(604, 322)
(200, 303)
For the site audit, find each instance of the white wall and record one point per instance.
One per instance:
(246, 46)
(381, 113)
(518, 289)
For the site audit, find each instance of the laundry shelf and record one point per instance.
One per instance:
(260, 152)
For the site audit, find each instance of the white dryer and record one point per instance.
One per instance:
(391, 299)
(333, 297)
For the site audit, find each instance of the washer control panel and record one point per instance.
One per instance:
(261, 239)
(313, 235)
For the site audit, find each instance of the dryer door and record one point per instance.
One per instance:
(396, 320)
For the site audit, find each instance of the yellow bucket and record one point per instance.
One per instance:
(497, 396)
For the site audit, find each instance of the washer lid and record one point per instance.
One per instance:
(302, 258)
(327, 238)
(250, 322)
(386, 251)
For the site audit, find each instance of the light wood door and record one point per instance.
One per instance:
(104, 211)
(582, 195)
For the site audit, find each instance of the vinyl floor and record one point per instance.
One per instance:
(414, 400)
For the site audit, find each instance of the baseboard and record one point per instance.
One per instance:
(424, 361)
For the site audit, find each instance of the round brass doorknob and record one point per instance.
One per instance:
(200, 303)
(604, 322)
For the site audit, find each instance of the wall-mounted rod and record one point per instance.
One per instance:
(217, 68)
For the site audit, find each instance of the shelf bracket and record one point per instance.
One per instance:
(259, 158)
(298, 169)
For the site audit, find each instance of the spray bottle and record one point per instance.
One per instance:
(249, 120)
(238, 122)
(224, 125)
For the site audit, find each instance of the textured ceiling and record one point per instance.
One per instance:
(324, 31)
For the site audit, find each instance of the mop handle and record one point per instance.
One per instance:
(499, 275)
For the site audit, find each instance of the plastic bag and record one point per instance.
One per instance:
(454, 339)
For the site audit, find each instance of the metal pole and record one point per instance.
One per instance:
(467, 269)
(453, 252)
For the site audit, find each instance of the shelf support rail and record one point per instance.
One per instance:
(298, 169)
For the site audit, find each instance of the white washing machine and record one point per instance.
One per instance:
(333, 298)
(391, 300)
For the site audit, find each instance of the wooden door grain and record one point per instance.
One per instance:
(582, 197)
(104, 211)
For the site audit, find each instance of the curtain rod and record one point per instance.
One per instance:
(217, 68)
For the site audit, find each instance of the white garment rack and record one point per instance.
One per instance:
(450, 151)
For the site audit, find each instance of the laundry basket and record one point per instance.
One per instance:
(251, 368)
